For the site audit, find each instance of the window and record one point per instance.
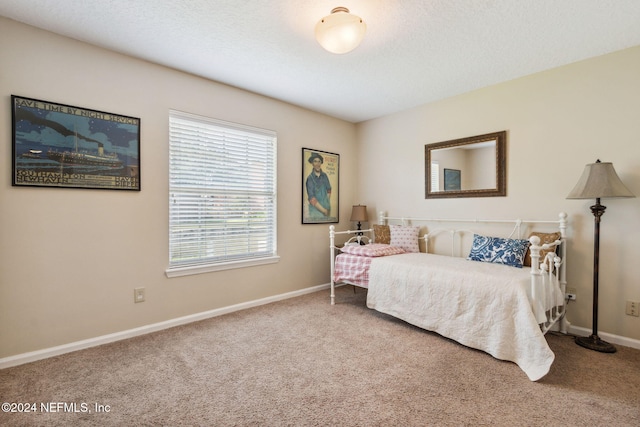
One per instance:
(222, 195)
(435, 176)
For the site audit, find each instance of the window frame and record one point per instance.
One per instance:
(206, 264)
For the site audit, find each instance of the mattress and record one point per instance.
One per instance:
(485, 306)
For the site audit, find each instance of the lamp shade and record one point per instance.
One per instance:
(359, 214)
(599, 180)
(340, 32)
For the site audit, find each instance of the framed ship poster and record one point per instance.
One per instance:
(452, 180)
(57, 145)
(320, 173)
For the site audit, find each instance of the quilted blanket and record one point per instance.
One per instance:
(481, 305)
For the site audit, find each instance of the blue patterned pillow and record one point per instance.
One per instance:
(501, 251)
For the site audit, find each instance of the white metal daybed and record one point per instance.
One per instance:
(500, 309)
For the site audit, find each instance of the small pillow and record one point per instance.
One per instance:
(498, 250)
(372, 250)
(381, 234)
(544, 239)
(405, 237)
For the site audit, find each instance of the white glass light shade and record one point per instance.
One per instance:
(340, 32)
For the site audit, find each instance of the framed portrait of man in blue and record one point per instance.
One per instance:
(320, 186)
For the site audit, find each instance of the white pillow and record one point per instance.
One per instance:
(405, 237)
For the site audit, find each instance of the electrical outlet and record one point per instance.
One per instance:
(138, 295)
(571, 294)
(633, 308)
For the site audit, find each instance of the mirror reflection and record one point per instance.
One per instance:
(467, 167)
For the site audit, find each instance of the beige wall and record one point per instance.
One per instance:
(69, 258)
(557, 121)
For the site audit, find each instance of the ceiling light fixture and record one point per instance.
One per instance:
(340, 32)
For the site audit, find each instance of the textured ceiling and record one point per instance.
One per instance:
(414, 52)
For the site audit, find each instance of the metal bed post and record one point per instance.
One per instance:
(564, 323)
(332, 239)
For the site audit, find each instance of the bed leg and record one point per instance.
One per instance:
(564, 324)
(332, 249)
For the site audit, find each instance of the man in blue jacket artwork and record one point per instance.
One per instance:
(318, 189)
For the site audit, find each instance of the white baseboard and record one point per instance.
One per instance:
(33, 356)
(610, 338)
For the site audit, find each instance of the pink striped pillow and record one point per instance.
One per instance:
(372, 250)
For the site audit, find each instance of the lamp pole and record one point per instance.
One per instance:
(593, 342)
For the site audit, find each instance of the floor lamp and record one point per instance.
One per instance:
(598, 180)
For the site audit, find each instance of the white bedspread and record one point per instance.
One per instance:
(489, 309)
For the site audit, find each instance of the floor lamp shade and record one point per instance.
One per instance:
(598, 180)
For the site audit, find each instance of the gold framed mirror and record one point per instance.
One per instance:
(467, 167)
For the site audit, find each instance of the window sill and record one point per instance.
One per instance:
(199, 269)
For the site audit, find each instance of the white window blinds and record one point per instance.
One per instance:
(435, 176)
(222, 194)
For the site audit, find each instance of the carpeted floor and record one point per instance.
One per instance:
(303, 362)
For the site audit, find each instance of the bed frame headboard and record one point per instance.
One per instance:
(458, 227)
